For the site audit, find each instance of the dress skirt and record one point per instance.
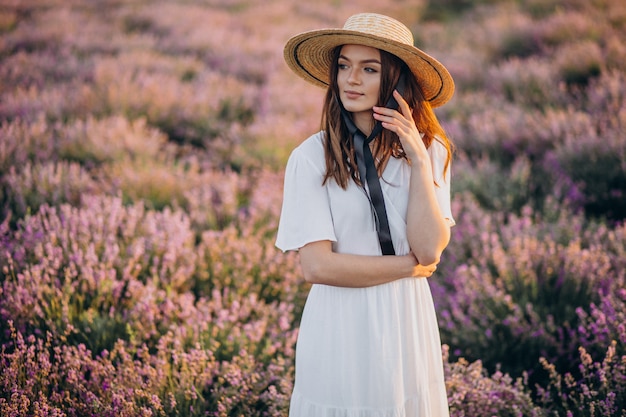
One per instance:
(369, 352)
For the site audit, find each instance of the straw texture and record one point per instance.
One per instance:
(309, 54)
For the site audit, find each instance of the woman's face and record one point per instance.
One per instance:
(358, 79)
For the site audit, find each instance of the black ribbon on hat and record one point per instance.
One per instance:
(368, 173)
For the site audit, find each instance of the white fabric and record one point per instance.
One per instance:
(362, 352)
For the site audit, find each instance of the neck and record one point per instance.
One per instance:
(364, 122)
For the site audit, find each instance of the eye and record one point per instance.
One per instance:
(370, 69)
(342, 66)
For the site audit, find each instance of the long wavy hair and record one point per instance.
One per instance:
(338, 143)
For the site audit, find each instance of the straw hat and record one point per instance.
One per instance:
(309, 54)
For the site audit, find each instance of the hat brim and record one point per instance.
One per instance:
(309, 55)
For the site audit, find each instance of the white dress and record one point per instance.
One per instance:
(362, 352)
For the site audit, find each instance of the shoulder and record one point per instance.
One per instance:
(312, 146)
(437, 150)
(440, 161)
(310, 151)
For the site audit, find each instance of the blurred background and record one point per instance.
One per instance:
(142, 149)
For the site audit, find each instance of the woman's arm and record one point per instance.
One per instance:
(321, 265)
(428, 232)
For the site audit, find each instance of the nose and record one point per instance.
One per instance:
(353, 77)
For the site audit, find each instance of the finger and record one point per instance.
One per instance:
(391, 117)
(397, 128)
(402, 104)
(385, 112)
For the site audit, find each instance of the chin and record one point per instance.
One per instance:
(355, 109)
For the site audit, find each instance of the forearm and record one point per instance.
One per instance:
(428, 232)
(321, 265)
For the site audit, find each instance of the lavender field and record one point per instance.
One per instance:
(142, 151)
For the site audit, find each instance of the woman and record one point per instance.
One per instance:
(370, 223)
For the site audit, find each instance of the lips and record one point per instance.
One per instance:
(352, 95)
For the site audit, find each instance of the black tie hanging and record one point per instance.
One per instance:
(368, 173)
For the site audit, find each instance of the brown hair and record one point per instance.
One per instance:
(338, 144)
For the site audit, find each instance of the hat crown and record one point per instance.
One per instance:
(380, 26)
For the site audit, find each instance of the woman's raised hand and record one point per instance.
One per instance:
(401, 122)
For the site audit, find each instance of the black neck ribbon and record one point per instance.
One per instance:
(368, 173)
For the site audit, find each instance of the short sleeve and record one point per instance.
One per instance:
(306, 215)
(438, 155)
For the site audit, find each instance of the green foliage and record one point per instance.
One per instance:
(473, 390)
(445, 10)
(495, 189)
(518, 44)
(580, 62)
(522, 286)
(48, 184)
(599, 393)
(598, 173)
